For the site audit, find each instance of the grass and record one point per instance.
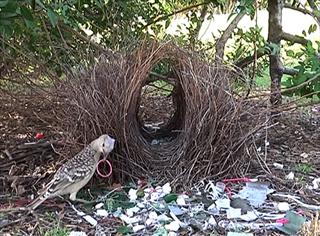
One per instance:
(57, 231)
(312, 229)
(304, 168)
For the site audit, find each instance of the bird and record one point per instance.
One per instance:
(76, 172)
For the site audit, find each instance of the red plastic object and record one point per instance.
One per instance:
(39, 136)
(110, 169)
(235, 180)
(282, 221)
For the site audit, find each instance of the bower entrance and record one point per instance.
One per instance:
(160, 108)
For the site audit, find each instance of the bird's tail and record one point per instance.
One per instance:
(37, 202)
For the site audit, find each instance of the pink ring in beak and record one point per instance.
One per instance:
(110, 169)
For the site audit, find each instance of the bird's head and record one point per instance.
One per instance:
(104, 144)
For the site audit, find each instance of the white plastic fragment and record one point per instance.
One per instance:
(304, 155)
(152, 218)
(311, 207)
(131, 211)
(255, 193)
(176, 210)
(239, 234)
(153, 215)
(99, 205)
(173, 226)
(172, 234)
(316, 183)
(137, 228)
(77, 233)
(133, 194)
(163, 217)
(250, 216)
(283, 206)
(90, 220)
(154, 196)
(233, 213)
(270, 216)
(129, 220)
(223, 203)
(181, 200)
(278, 166)
(212, 221)
(212, 207)
(166, 189)
(141, 205)
(102, 212)
(228, 225)
(211, 189)
(290, 176)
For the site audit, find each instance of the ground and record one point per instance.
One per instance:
(293, 141)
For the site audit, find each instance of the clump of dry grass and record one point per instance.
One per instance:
(208, 132)
(312, 228)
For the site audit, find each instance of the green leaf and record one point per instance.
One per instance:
(124, 230)
(170, 197)
(53, 18)
(304, 33)
(290, 53)
(26, 13)
(312, 28)
(3, 3)
(40, 4)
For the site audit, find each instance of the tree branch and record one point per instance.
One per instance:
(188, 8)
(294, 38)
(302, 10)
(315, 10)
(316, 77)
(305, 11)
(290, 71)
(249, 59)
(220, 45)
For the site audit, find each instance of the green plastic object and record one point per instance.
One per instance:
(294, 225)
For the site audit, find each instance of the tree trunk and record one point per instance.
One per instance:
(274, 36)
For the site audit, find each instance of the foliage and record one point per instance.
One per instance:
(57, 231)
(42, 39)
(308, 69)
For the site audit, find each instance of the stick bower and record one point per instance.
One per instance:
(206, 137)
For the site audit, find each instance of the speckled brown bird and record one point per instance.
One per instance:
(76, 172)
